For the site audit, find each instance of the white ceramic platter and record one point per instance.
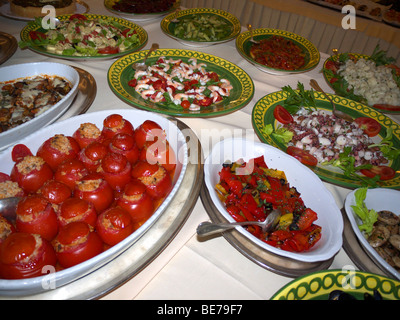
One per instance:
(312, 190)
(67, 127)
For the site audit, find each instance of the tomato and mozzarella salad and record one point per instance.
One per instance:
(82, 194)
(180, 85)
(81, 36)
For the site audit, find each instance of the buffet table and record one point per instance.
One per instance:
(191, 268)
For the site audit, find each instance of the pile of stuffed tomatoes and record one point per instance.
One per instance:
(253, 195)
(82, 194)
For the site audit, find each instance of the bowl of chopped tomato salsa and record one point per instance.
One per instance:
(247, 180)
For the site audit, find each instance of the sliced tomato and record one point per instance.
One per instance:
(385, 172)
(332, 65)
(37, 35)
(108, 50)
(282, 115)
(303, 156)
(370, 126)
(19, 152)
(77, 16)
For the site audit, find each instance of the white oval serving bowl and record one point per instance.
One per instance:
(377, 199)
(33, 69)
(67, 127)
(313, 192)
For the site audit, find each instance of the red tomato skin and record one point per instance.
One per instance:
(75, 243)
(114, 225)
(34, 214)
(136, 201)
(75, 209)
(159, 152)
(114, 124)
(70, 171)
(92, 155)
(32, 181)
(55, 191)
(54, 157)
(125, 144)
(116, 169)
(156, 179)
(303, 156)
(108, 50)
(385, 172)
(19, 152)
(370, 126)
(101, 197)
(282, 115)
(148, 131)
(20, 245)
(86, 134)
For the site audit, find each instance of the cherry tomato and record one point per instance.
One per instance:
(19, 152)
(136, 201)
(385, 172)
(116, 169)
(36, 35)
(31, 173)
(23, 255)
(9, 188)
(332, 65)
(114, 225)
(55, 191)
(75, 209)
(148, 131)
(92, 155)
(34, 214)
(125, 144)
(303, 156)
(185, 104)
(6, 228)
(77, 16)
(75, 243)
(370, 126)
(95, 189)
(114, 124)
(70, 171)
(57, 149)
(282, 115)
(154, 176)
(159, 152)
(108, 50)
(86, 133)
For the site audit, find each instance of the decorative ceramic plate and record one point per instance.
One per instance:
(328, 77)
(312, 56)
(318, 286)
(139, 16)
(168, 26)
(263, 115)
(142, 34)
(81, 7)
(377, 199)
(121, 72)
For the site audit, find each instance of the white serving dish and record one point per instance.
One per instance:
(377, 199)
(177, 141)
(25, 70)
(313, 192)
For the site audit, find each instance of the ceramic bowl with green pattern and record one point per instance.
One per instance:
(231, 23)
(319, 285)
(244, 44)
(263, 115)
(121, 72)
(329, 77)
(34, 26)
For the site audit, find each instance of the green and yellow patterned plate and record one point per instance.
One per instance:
(318, 286)
(168, 26)
(386, 108)
(108, 4)
(121, 72)
(243, 45)
(33, 26)
(263, 115)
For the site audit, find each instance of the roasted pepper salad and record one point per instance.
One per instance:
(255, 192)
